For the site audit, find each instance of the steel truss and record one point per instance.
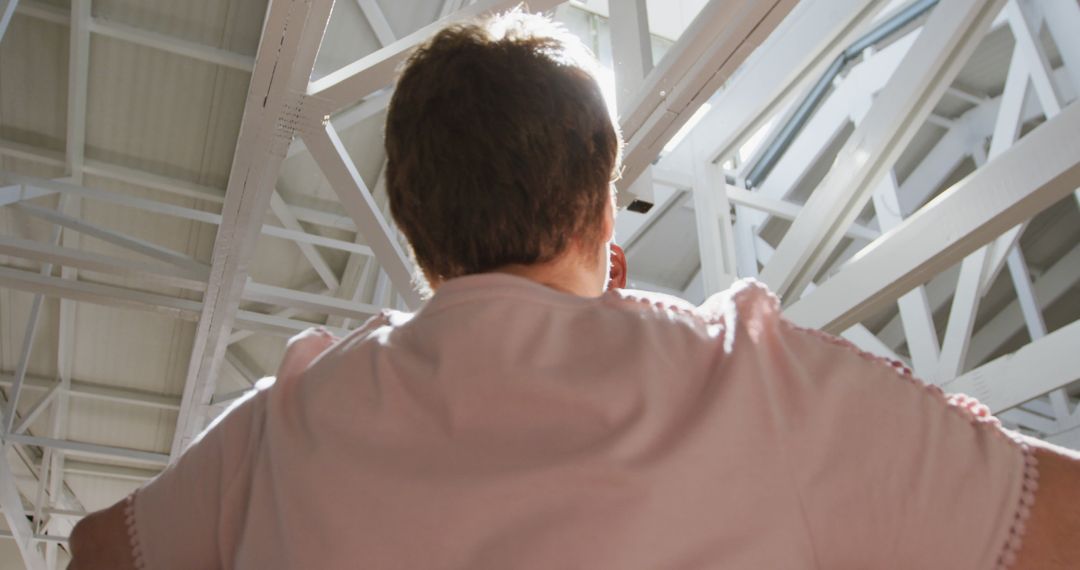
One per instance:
(901, 256)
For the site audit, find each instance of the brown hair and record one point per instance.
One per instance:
(500, 148)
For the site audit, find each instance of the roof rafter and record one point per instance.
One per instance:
(1040, 169)
(951, 33)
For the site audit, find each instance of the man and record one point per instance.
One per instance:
(524, 418)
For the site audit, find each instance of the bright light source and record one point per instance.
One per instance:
(689, 126)
(606, 78)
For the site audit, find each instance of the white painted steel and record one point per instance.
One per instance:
(1036, 369)
(340, 171)
(1040, 169)
(951, 33)
(717, 42)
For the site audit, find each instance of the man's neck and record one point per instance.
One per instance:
(565, 273)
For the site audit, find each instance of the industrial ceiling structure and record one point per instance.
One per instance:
(183, 185)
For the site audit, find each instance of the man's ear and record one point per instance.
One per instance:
(617, 277)
(609, 220)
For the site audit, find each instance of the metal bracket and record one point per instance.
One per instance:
(300, 113)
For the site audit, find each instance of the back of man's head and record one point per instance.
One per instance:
(500, 148)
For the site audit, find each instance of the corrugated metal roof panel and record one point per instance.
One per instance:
(33, 83)
(152, 110)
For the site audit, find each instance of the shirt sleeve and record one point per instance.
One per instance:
(177, 519)
(892, 472)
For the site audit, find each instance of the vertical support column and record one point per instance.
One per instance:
(915, 314)
(745, 243)
(1024, 29)
(1033, 318)
(78, 80)
(712, 212)
(292, 33)
(353, 281)
(340, 171)
(631, 49)
(24, 358)
(13, 514)
(969, 285)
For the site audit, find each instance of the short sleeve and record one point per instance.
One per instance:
(177, 519)
(892, 473)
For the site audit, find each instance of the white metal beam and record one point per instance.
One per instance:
(1040, 74)
(92, 391)
(631, 50)
(340, 171)
(177, 211)
(951, 33)
(713, 46)
(92, 449)
(355, 281)
(16, 520)
(24, 354)
(112, 296)
(375, 71)
(803, 45)
(123, 472)
(1036, 369)
(243, 367)
(831, 120)
(155, 272)
(308, 302)
(176, 46)
(1047, 289)
(40, 406)
(75, 155)
(969, 289)
(142, 37)
(451, 6)
(1040, 169)
(154, 181)
(745, 244)
(857, 334)
(964, 139)
(1028, 419)
(191, 267)
(171, 276)
(369, 107)
(379, 24)
(288, 219)
(938, 291)
(1062, 20)
(1025, 32)
(32, 153)
(38, 538)
(918, 319)
(1033, 318)
(712, 214)
(788, 210)
(314, 287)
(15, 193)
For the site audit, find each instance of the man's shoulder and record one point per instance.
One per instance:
(747, 298)
(634, 299)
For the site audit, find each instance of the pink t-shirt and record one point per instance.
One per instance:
(508, 425)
